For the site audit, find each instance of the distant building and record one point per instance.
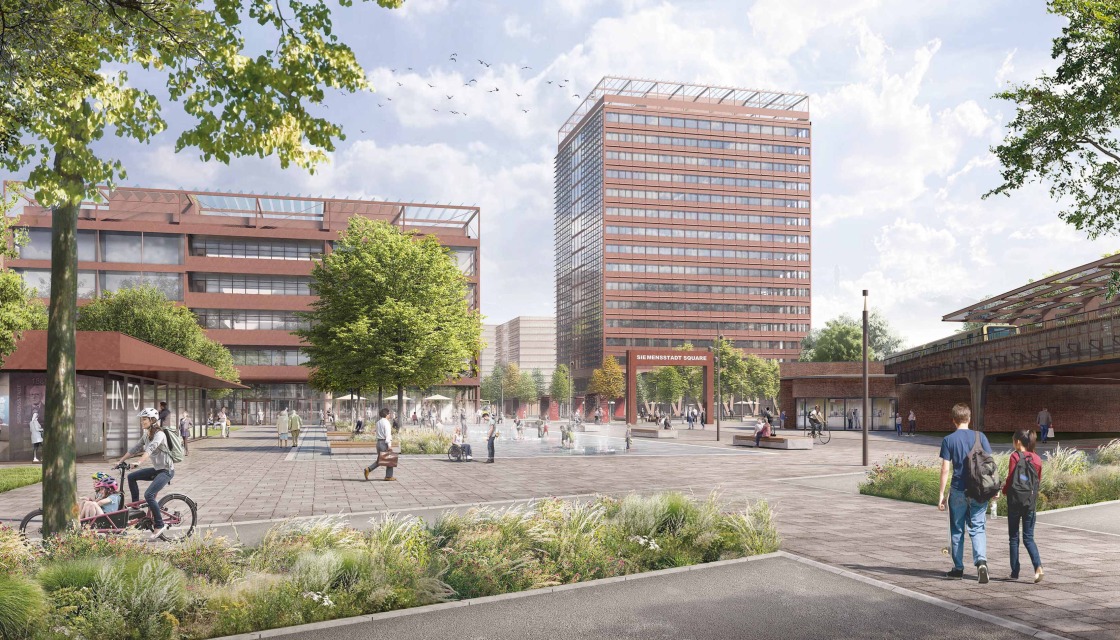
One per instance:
(528, 341)
(486, 358)
(681, 211)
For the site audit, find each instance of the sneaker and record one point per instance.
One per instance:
(157, 533)
(390, 479)
(982, 573)
(955, 573)
(1038, 575)
(1014, 576)
(365, 472)
(469, 458)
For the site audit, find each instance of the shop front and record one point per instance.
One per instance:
(836, 390)
(117, 377)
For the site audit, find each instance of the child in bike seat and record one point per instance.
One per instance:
(106, 497)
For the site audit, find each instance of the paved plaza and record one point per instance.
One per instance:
(820, 515)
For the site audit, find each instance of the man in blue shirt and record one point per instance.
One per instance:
(962, 509)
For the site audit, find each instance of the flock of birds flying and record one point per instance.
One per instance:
(473, 85)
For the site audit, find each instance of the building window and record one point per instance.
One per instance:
(258, 357)
(260, 248)
(249, 320)
(120, 247)
(40, 280)
(38, 246)
(250, 284)
(170, 284)
(162, 248)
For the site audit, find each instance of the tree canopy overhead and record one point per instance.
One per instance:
(883, 340)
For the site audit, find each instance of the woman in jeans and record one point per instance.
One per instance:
(152, 445)
(1024, 441)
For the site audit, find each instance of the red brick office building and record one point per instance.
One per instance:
(242, 264)
(681, 211)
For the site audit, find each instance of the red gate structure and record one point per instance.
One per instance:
(652, 358)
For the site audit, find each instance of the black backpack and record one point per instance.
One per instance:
(983, 474)
(1023, 493)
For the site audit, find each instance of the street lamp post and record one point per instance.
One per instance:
(866, 389)
(719, 398)
(571, 393)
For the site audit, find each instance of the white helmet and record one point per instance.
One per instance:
(148, 413)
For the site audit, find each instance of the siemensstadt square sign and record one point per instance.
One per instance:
(645, 359)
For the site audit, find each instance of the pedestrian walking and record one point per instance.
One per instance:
(491, 435)
(913, 422)
(851, 418)
(1024, 476)
(185, 425)
(384, 444)
(282, 435)
(223, 419)
(36, 436)
(629, 437)
(295, 425)
(688, 418)
(1044, 422)
(260, 416)
(782, 421)
(963, 510)
(164, 416)
(898, 424)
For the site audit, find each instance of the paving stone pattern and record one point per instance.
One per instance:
(247, 477)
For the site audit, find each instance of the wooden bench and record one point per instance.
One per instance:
(652, 432)
(353, 446)
(774, 442)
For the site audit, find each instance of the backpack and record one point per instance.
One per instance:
(1023, 494)
(983, 474)
(174, 444)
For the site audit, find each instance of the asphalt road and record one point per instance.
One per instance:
(1104, 518)
(774, 598)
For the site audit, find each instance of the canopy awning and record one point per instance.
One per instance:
(437, 397)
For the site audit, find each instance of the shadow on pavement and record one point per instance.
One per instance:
(932, 574)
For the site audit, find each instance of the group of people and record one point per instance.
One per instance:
(288, 426)
(913, 420)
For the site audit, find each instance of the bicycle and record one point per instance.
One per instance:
(179, 512)
(819, 430)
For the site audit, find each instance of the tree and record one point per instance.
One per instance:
(395, 302)
(669, 387)
(20, 307)
(763, 376)
(146, 314)
(238, 101)
(838, 342)
(693, 377)
(882, 338)
(538, 382)
(561, 387)
(607, 382)
(1065, 127)
(491, 385)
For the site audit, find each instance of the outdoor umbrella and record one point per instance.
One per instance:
(437, 397)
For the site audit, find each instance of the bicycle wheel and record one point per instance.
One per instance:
(824, 435)
(179, 514)
(31, 528)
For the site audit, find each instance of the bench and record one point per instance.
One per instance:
(774, 442)
(353, 446)
(652, 432)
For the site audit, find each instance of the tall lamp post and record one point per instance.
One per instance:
(571, 393)
(866, 388)
(715, 361)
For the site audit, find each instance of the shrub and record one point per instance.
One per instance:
(403, 557)
(1109, 453)
(16, 556)
(284, 543)
(903, 478)
(268, 607)
(147, 591)
(490, 552)
(1065, 460)
(24, 607)
(73, 573)
(211, 558)
(84, 543)
(424, 441)
(752, 531)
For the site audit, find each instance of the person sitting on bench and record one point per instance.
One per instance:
(761, 432)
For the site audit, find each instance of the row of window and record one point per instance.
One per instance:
(701, 344)
(251, 284)
(708, 326)
(115, 246)
(679, 196)
(659, 305)
(674, 287)
(727, 163)
(687, 178)
(708, 143)
(689, 270)
(703, 234)
(249, 320)
(90, 282)
(708, 216)
(707, 125)
(260, 248)
(730, 254)
(251, 356)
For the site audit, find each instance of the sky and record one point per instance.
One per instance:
(900, 100)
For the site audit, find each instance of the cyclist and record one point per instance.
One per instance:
(815, 421)
(153, 446)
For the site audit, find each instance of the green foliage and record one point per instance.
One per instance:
(146, 314)
(211, 558)
(24, 608)
(1064, 129)
(74, 573)
(1108, 453)
(16, 556)
(20, 308)
(149, 593)
(392, 311)
(561, 387)
(1066, 460)
(902, 478)
(84, 543)
(668, 385)
(608, 382)
(16, 477)
(838, 342)
(424, 441)
(882, 339)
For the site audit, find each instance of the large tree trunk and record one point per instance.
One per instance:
(400, 403)
(60, 480)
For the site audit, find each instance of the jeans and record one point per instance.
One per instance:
(913, 425)
(1044, 430)
(898, 428)
(1013, 519)
(490, 448)
(965, 511)
(159, 479)
(381, 446)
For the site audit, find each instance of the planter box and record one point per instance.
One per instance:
(651, 432)
(775, 442)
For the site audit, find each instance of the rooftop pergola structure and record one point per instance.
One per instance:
(685, 93)
(1079, 290)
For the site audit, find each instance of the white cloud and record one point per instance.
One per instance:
(420, 7)
(515, 27)
(1006, 69)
